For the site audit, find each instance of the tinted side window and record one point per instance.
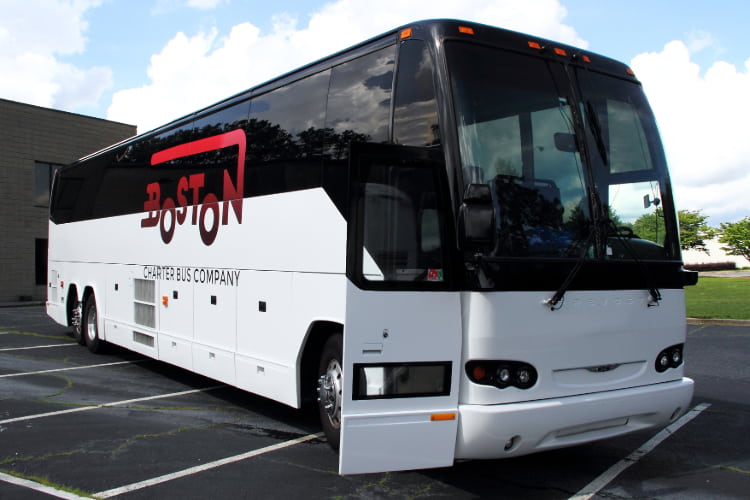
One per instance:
(285, 137)
(359, 103)
(211, 164)
(223, 120)
(396, 225)
(284, 133)
(415, 112)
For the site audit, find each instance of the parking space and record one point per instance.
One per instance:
(122, 426)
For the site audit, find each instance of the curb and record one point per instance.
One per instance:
(718, 321)
(30, 303)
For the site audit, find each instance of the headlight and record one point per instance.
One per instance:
(501, 373)
(671, 357)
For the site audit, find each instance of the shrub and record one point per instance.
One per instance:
(712, 266)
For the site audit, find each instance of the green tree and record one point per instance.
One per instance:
(736, 236)
(615, 218)
(694, 230)
(650, 226)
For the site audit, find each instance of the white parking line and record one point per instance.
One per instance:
(107, 405)
(200, 468)
(39, 487)
(41, 372)
(67, 344)
(610, 474)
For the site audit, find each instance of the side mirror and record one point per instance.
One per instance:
(689, 278)
(566, 142)
(476, 219)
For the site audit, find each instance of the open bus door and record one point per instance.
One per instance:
(402, 337)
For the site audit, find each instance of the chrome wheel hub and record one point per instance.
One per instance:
(75, 318)
(330, 391)
(91, 325)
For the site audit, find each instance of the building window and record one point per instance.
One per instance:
(40, 261)
(43, 174)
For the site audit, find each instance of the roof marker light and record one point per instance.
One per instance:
(560, 52)
(629, 71)
(586, 59)
(466, 30)
(405, 33)
(535, 45)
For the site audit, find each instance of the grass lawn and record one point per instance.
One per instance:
(727, 298)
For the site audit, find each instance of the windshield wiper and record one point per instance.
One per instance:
(652, 290)
(559, 295)
(556, 301)
(596, 129)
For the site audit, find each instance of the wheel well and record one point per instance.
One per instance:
(86, 292)
(317, 335)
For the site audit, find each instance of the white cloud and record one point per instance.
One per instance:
(194, 71)
(33, 35)
(699, 40)
(205, 4)
(704, 119)
(166, 6)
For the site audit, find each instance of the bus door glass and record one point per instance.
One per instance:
(402, 338)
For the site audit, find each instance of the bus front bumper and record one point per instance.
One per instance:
(506, 430)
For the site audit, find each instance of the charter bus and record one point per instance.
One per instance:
(431, 234)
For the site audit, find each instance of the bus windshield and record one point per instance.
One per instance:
(571, 156)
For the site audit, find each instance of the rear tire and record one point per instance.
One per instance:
(77, 322)
(330, 388)
(90, 326)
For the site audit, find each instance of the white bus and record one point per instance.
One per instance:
(430, 233)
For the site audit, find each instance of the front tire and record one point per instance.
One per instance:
(90, 326)
(331, 389)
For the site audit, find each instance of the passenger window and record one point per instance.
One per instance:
(223, 120)
(285, 137)
(415, 114)
(401, 231)
(359, 101)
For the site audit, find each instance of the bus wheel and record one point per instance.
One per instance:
(330, 389)
(76, 320)
(90, 326)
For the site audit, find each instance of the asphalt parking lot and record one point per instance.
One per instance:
(74, 424)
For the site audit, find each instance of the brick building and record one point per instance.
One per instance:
(33, 142)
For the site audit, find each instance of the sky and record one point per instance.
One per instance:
(147, 62)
